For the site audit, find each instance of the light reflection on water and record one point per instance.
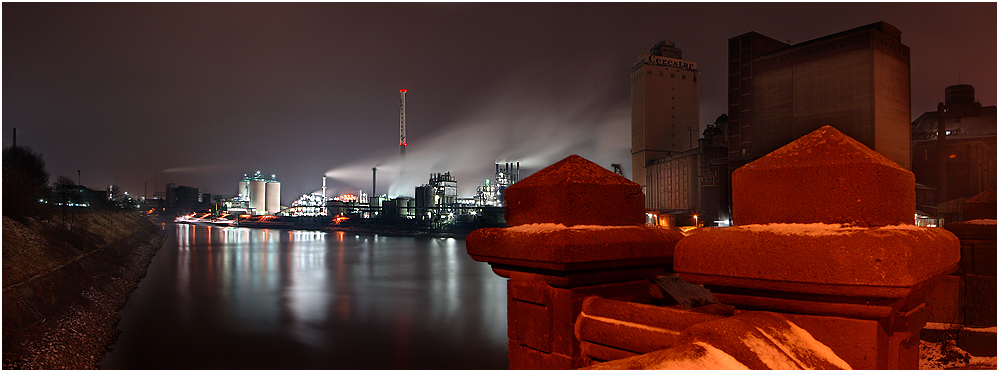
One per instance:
(224, 297)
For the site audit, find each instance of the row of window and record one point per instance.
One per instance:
(673, 75)
(894, 47)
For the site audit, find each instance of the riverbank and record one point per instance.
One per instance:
(65, 280)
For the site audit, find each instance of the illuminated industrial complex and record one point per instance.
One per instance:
(436, 201)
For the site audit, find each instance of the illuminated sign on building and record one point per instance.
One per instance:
(669, 62)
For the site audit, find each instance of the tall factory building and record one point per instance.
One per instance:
(664, 107)
(856, 80)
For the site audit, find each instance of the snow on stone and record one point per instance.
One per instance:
(820, 229)
(813, 229)
(713, 359)
(982, 222)
(783, 349)
(940, 326)
(807, 342)
(537, 228)
(991, 329)
(770, 355)
(623, 323)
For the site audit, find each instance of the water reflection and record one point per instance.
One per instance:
(308, 299)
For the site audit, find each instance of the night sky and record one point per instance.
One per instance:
(199, 94)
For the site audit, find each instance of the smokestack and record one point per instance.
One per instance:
(374, 174)
(324, 188)
(402, 123)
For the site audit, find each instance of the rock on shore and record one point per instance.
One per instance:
(65, 280)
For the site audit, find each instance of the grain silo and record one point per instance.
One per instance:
(273, 203)
(257, 195)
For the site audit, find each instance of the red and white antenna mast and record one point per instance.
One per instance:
(402, 123)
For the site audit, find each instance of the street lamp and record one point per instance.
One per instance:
(695, 220)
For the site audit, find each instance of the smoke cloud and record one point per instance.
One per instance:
(517, 124)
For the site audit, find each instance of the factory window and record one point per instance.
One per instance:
(684, 77)
(660, 73)
(695, 78)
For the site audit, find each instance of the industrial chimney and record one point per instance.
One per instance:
(402, 123)
(374, 174)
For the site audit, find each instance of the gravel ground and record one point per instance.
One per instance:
(81, 336)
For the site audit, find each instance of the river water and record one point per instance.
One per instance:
(241, 298)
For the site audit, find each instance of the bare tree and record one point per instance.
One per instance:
(25, 183)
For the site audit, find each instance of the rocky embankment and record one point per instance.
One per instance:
(64, 280)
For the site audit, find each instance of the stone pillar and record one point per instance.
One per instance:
(824, 234)
(977, 296)
(576, 230)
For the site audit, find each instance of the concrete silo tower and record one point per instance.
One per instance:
(273, 195)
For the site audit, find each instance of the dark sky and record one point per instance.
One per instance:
(203, 93)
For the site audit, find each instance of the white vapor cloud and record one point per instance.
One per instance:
(515, 124)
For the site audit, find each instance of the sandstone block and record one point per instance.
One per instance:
(978, 341)
(575, 191)
(817, 258)
(945, 300)
(981, 206)
(631, 327)
(751, 340)
(823, 177)
(974, 229)
(980, 292)
(578, 248)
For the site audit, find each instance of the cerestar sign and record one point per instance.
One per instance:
(669, 62)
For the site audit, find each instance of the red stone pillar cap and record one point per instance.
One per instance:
(575, 191)
(820, 259)
(823, 177)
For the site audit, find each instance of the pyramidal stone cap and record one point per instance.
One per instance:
(823, 177)
(575, 191)
(981, 206)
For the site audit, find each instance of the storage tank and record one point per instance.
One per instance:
(244, 189)
(273, 203)
(257, 193)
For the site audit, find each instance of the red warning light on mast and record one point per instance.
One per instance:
(402, 91)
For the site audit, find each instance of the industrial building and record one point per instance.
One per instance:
(491, 194)
(968, 159)
(665, 117)
(258, 194)
(856, 81)
(692, 182)
(438, 197)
